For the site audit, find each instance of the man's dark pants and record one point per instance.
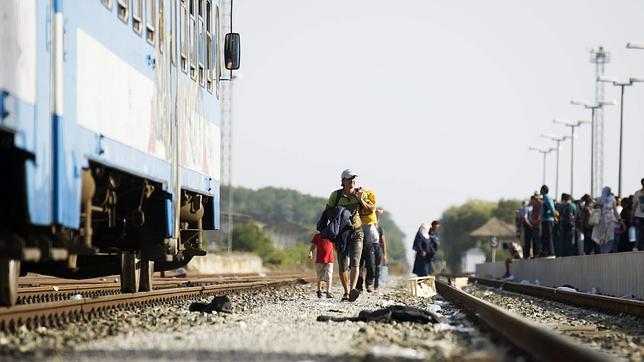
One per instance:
(590, 246)
(368, 261)
(536, 240)
(546, 238)
(377, 252)
(639, 225)
(567, 239)
(527, 240)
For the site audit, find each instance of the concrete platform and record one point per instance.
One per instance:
(237, 263)
(618, 274)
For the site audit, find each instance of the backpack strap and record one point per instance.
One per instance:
(338, 195)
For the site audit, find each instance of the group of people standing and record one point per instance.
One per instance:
(570, 227)
(361, 247)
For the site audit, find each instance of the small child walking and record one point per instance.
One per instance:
(323, 263)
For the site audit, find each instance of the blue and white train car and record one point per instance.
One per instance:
(109, 136)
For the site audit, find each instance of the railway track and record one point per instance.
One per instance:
(49, 289)
(48, 313)
(585, 300)
(538, 342)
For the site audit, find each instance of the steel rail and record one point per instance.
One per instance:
(51, 291)
(53, 313)
(538, 342)
(579, 299)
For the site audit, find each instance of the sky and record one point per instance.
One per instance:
(431, 103)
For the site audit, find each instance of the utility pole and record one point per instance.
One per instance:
(600, 58)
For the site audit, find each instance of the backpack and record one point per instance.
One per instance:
(324, 225)
(567, 218)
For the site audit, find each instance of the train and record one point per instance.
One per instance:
(110, 117)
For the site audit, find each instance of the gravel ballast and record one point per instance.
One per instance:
(268, 324)
(621, 336)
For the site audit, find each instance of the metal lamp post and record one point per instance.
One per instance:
(622, 85)
(592, 107)
(544, 152)
(572, 126)
(558, 139)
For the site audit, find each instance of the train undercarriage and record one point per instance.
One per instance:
(126, 228)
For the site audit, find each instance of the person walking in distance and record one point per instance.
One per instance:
(370, 231)
(349, 258)
(425, 245)
(535, 220)
(547, 223)
(380, 249)
(323, 263)
(422, 247)
(638, 216)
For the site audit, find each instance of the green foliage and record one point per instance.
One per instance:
(458, 222)
(249, 237)
(272, 205)
(505, 210)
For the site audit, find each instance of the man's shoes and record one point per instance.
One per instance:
(345, 298)
(353, 295)
(369, 289)
(329, 295)
(319, 293)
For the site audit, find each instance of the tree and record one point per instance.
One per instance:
(249, 237)
(458, 222)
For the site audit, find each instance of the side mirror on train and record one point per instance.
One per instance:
(232, 47)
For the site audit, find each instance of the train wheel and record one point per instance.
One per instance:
(147, 270)
(9, 272)
(130, 271)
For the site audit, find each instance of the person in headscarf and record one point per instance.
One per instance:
(604, 232)
(425, 243)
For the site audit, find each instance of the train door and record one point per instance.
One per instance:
(25, 137)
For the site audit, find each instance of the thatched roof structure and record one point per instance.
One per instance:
(495, 227)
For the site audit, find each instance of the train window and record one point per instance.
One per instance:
(209, 45)
(150, 19)
(161, 27)
(107, 3)
(123, 9)
(202, 42)
(183, 38)
(193, 43)
(137, 12)
(217, 50)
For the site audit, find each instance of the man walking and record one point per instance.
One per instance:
(547, 223)
(349, 259)
(371, 240)
(380, 249)
(638, 215)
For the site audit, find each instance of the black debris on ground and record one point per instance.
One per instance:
(219, 304)
(398, 313)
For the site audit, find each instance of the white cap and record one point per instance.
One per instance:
(348, 174)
